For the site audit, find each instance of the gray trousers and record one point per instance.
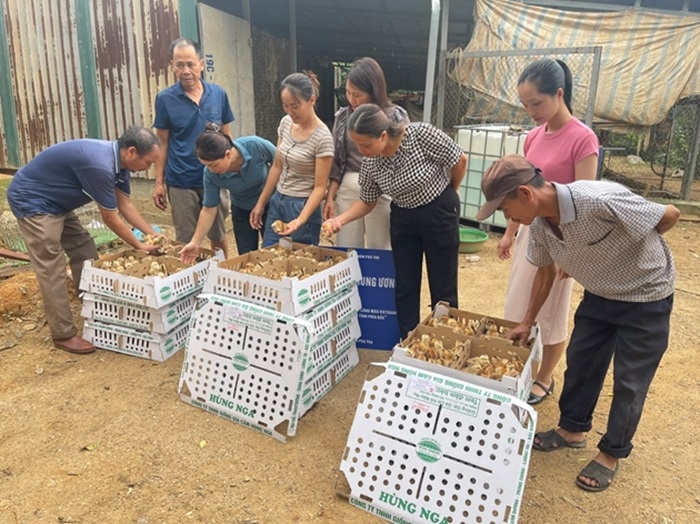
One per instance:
(49, 238)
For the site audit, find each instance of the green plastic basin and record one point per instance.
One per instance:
(471, 240)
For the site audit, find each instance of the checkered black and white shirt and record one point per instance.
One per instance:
(610, 244)
(417, 173)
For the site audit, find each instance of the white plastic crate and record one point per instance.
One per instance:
(114, 311)
(319, 385)
(518, 387)
(154, 292)
(151, 346)
(427, 448)
(290, 295)
(248, 363)
(323, 353)
(477, 345)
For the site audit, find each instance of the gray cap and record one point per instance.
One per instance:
(503, 177)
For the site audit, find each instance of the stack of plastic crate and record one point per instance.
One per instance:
(264, 348)
(137, 314)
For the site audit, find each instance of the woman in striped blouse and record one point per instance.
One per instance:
(296, 183)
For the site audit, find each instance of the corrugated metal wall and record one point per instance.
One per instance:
(80, 68)
(131, 41)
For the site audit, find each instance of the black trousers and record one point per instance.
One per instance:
(247, 238)
(431, 230)
(634, 334)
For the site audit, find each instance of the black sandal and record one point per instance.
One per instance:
(596, 471)
(536, 399)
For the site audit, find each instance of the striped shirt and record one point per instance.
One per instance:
(610, 244)
(417, 173)
(299, 158)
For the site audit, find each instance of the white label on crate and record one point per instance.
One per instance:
(237, 317)
(429, 391)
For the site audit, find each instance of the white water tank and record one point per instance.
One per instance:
(484, 144)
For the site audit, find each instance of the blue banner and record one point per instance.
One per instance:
(378, 322)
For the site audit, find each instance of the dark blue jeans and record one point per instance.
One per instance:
(286, 209)
(635, 334)
(432, 231)
(247, 238)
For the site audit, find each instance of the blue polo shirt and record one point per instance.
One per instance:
(185, 121)
(247, 184)
(68, 175)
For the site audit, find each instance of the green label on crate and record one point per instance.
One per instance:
(307, 397)
(169, 345)
(429, 450)
(166, 293)
(303, 297)
(171, 316)
(240, 362)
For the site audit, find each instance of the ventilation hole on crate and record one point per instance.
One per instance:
(497, 502)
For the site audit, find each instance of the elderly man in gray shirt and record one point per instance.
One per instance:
(609, 240)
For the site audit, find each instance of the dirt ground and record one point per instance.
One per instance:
(105, 439)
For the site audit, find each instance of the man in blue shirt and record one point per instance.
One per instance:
(182, 110)
(43, 196)
(239, 166)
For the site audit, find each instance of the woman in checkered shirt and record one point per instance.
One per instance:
(420, 168)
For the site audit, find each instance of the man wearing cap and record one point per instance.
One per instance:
(609, 240)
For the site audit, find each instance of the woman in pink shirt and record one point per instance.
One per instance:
(565, 149)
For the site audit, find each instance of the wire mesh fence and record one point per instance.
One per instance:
(89, 216)
(481, 86)
(661, 161)
(484, 114)
(271, 63)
